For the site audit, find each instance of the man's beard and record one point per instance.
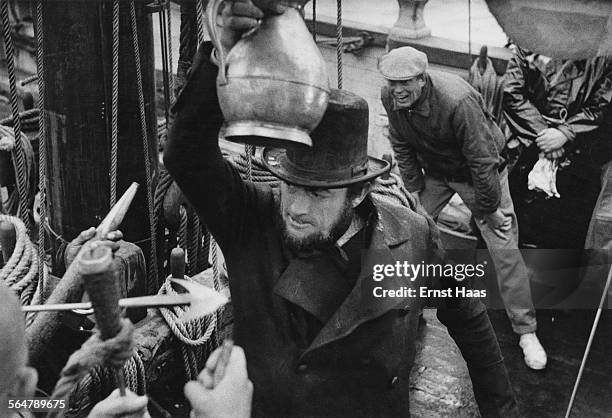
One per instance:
(317, 240)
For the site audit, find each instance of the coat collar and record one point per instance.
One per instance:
(306, 281)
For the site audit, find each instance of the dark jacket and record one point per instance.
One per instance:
(448, 133)
(359, 362)
(572, 96)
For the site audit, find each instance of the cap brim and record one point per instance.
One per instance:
(406, 78)
(275, 161)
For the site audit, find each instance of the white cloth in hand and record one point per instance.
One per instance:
(543, 176)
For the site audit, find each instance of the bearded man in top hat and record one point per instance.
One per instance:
(446, 142)
(300, 261)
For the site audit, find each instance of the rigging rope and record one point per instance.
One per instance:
(200, 16)
(170, 60)
(187, 43)
(18, 154)
(200, 20)
(153, 276)
(42, 147)
(163, 32)
(339, 41)
(114, 106)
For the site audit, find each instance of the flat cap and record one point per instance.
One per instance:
(402, 63)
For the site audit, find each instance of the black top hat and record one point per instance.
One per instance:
(339, 153)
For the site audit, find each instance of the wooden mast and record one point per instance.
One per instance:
(78, 81)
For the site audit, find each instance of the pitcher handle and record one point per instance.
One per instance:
(212, 10)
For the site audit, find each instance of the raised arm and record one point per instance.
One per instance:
(193, 157)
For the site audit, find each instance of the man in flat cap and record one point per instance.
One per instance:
(447, 142)
(300, 261)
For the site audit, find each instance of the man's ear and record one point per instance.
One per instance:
(422, 80)
(25, 385)
(358, 198)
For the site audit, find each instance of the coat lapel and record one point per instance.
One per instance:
(392, 241)
(314, 284)
(311, 283)
(361, 305)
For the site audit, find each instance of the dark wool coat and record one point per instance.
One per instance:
(359, 362)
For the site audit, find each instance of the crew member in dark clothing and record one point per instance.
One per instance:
(317, 339)
(447, 142)
(557, 108)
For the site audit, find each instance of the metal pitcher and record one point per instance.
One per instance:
(272, 86)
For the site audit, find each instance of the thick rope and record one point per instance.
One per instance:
(153, 276)
(184, 223)
(88, 376)
(248, 150)
(339, 41)
(259, 173)
(29, 119)
(191, 334)
(21, 269)
(42, 147)
(114, 106)
(192, 245)
(8, 143)
(187, 42)
(200, 20)
(18, 154)
(391, 189)
(170, 58)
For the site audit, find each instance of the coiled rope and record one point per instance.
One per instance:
(195, 335)
(29, 119)
(88, 376)
(100, 382)
(21, 269)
